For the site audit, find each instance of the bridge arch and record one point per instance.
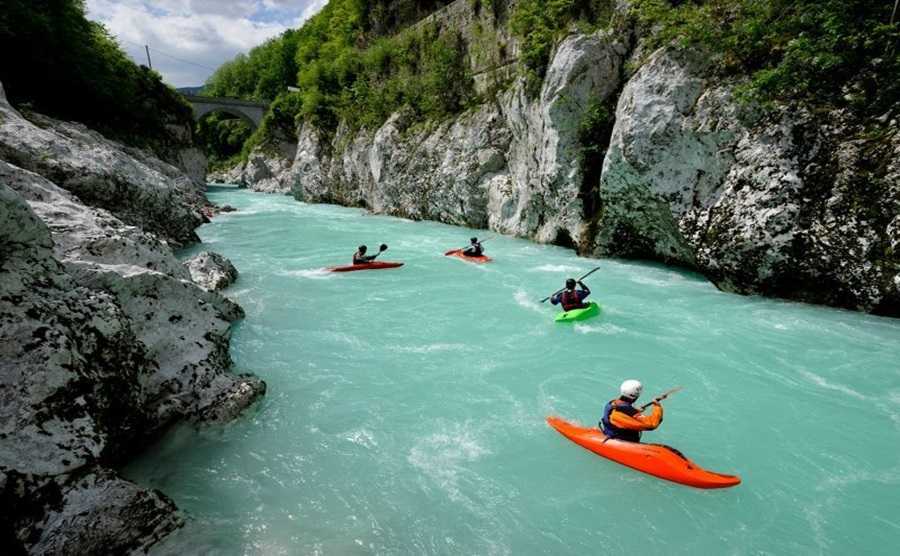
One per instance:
(252, 112)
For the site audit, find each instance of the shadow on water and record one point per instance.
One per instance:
(222, 188)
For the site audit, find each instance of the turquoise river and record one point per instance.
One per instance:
(406, 407)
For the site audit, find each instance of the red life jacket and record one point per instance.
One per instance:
(570, 300)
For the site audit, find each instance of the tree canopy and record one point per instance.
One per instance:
(66, 66)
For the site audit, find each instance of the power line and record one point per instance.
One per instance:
(166, 54)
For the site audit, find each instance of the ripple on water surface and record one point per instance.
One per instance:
(406, 407)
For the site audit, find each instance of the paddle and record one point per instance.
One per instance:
(579, 280)
(450, 252)
(660, 397)
(381, 250)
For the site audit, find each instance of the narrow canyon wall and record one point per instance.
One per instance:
(782, 203)
(104, 338)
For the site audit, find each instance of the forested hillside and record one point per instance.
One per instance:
(59, 63)
(352, 62)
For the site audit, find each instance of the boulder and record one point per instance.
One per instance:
(211, 270)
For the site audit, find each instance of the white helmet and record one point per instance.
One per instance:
(631, 389)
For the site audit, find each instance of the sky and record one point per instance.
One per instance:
(189, 39)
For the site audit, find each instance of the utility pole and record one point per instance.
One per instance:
(149, 63)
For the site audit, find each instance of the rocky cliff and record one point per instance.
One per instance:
(656, 161)
(104, 338)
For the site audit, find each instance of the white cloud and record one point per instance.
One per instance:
(189, 38)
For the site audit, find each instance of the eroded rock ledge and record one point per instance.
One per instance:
(105, 340)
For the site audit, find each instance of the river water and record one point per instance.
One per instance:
(406, 407)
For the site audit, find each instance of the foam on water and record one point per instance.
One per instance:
(524, 299)
(557, 268)
(405, 410)
(311, 273)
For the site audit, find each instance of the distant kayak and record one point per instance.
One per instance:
(592, 310)
(459, 254)
(376, 265)
(654, 459)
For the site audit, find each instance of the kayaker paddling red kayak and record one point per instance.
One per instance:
(458, 253)
(473, 253)
(361, 261)
(377, 265)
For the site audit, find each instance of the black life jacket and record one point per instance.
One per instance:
(612, 431)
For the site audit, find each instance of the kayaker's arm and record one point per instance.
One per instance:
(639, 422)
(585, 289)
(363, 259)
(556, 298)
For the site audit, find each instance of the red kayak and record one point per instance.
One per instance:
(459, 253)
(374, 265)
(654, 459)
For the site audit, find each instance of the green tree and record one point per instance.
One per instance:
(64, 65)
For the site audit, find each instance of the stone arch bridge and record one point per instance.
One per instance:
(252, 112)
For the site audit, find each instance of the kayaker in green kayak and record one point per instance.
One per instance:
(572, 298)
(360, 256)
(475, 249)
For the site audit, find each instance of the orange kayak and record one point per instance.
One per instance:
(654, 459)
(375, 265)
(459, 253)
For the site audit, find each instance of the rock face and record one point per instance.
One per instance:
(784, 204)
(104, 339)
(211, 270)
(787, 204)
(138, 188)
(512, 165)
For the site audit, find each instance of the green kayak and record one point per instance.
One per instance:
(579, 314)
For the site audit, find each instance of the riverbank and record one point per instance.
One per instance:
(106, 339)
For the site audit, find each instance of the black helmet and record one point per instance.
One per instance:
(362, 248)
(474, 240)
(570, 283)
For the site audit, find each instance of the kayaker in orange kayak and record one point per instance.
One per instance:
(570, 297)
(360, 256)
(475, 249)
(622, 421)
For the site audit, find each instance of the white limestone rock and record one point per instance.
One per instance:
(138, 188)
(782, 204)
(211, 270)
(86, 235)
(230, 176)
(104, 341)
(70, 375)
(512, 166)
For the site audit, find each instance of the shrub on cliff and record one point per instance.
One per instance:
(540, 24)
(823, 52)
(68, 67)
